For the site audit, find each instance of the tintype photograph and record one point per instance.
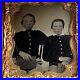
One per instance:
(40, 39)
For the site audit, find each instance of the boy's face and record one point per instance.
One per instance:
(28, 22)
(57, 27)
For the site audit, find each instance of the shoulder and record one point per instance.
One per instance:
(38, 31)
(67, 36)
(18, 34)
(49, 39)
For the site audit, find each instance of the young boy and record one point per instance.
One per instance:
(57, 49)
(27, 43)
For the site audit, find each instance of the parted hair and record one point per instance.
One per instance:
(56, 20)
(31, 15)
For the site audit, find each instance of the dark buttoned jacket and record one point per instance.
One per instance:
(28, 41)
(55, 47)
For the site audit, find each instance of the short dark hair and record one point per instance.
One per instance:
(56, 20)
(31, 15)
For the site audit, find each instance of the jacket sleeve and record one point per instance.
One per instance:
(16, 50)
(69, 52)
(46, 50)
(41, 37)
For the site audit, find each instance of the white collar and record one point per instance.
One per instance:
(57, 34)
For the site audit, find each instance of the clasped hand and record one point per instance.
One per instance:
(65, 60)
(24, 55)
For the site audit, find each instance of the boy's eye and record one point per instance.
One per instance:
(55, 26)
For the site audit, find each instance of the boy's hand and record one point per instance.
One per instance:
(65, 59)
(24, 55)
